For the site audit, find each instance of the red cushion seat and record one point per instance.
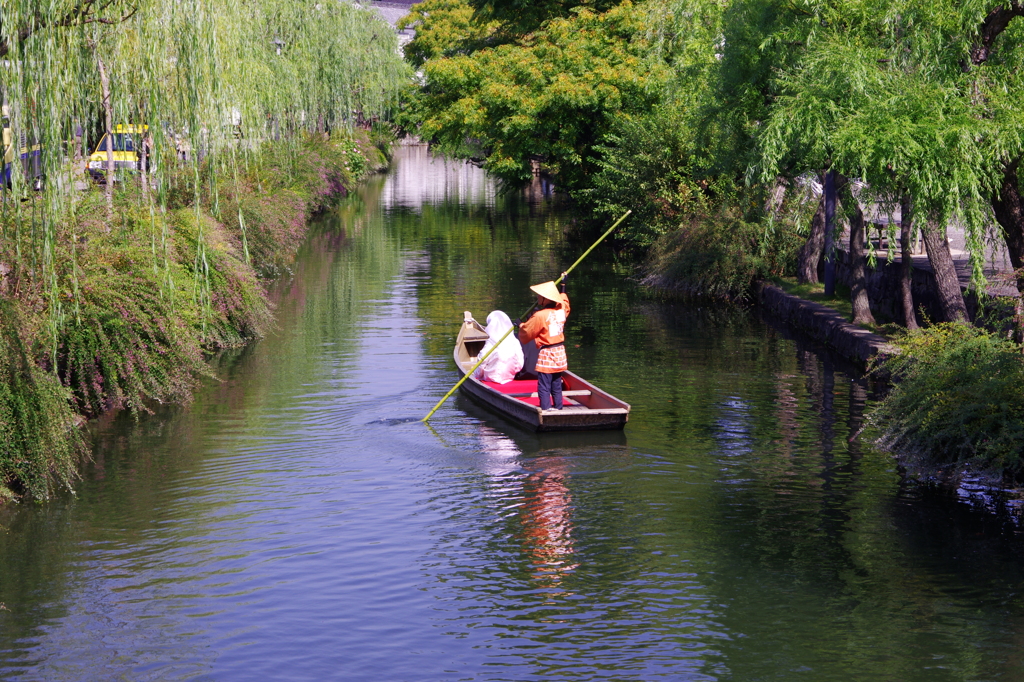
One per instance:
(523, 386)
(514, 386)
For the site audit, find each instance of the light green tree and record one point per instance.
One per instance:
(546, 100)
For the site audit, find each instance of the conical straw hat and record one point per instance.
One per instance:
(548, 290)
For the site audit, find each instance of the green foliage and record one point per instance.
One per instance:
(519, 17)
(127, 348)
(757, 41)
(283, 186)
(384, 137)
(647, 165)
(550, 98)
(444, 28)
(721, 254)
(230, 307)
(957, 398)
(40, 444)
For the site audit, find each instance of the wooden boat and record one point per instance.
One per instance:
(586, 407)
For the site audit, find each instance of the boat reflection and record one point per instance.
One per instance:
(547, 520)
(544, 504)
(531, 443)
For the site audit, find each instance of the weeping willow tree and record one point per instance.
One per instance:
(921, 99)
(201, 73)
(221, 84)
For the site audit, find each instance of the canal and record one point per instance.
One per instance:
(295, 523)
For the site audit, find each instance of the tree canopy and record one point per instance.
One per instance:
(547, 98)
(916, 98)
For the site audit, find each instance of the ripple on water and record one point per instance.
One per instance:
(299, 522)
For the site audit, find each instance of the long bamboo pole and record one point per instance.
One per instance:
(528, 311)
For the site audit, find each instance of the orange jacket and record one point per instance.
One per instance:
(547, 325)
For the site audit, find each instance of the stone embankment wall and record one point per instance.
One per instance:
(883, 286)
(824, 325)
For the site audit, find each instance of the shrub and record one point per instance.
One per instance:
(957, 398)
(383, 137)
(721, 255)
(40, 444)
(647, 165)
(127, 347)
(236, 310)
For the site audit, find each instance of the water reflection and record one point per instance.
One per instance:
(544, 502)
(547, 520)
(732, 428)
(297, 518)
(423, 180)
(500, 453)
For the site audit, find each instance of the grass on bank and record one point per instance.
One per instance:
(957, 397)
(839, 302)
(138, 301)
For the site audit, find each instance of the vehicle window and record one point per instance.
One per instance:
(122, 143)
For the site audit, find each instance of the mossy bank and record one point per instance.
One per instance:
(144, 294)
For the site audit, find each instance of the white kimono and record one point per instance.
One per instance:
(505, 362)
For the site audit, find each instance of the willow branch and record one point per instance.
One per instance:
(80, 16)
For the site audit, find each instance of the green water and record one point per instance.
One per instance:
(293, 523)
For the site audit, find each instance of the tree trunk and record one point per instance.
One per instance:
(907, 261)
(810, 252)
(108, 120)
(858, 265)
(947, 285)
(144, 164)
(1009, 210)
(78, 151)
(829, 202)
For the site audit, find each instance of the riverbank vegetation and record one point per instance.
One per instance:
(751, 137)
(957, 398)
(114, 287)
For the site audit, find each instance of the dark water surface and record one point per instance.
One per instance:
(290, 525)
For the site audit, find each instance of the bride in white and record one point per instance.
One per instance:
(505, 362)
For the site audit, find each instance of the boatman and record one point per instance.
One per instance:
(546, 328)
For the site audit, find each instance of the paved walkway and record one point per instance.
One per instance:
(997, 263)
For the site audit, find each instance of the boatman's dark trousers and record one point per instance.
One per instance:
(548, 386)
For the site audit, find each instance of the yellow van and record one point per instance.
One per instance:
(128, 139)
